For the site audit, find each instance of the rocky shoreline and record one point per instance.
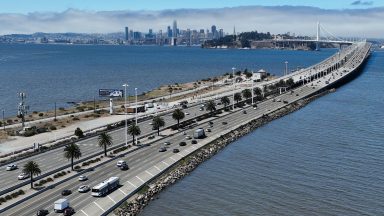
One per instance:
(188, 164)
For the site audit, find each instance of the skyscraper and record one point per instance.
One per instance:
(174, 29)
(169, 32)
(214, 32)
(126, 34)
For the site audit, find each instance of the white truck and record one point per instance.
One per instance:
(199, 133)
(60, 205)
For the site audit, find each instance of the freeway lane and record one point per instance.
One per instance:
(54, 159)
(141, 160)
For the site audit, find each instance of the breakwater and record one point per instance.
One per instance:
(187, 165)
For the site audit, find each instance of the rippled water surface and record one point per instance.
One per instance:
(325, 159)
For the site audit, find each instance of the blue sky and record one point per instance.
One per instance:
(26, 6)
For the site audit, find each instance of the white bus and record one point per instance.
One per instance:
(105, 187)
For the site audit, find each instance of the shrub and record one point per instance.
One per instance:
(75, 119)
(20, 192)
(68, 171)
(79, 133)
(29, 133)
(61, 108)
(42, 181)
(8, 197)
(63, 172)
(59, 174)
(49, 179)
(56, 176)
(52, 127)
(34, 112)
(85, 164)
(77, 167)
(14, 195)
(41, 114)
(2, 199)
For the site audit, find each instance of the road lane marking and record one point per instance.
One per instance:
(84, 212)
(193, 147)
(187, 151)
(149, 173)
(140, 179)
(173, 159)
(99, 206)
(165, 163)
(157, 168)
(180, 155)
(132, 184)
(122, 191)
(111, 199)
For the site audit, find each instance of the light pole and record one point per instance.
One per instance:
(3, 120)
(136, 111)
(233, 92)
(252, 87)
(125, 110)
(286, 67)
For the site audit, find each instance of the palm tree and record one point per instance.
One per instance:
(211, 106)
(170, 90)
(32, 168)
(178, 115)
(247, 93)
(157, 123)
(72, 151)
(104, 141)
(134, 130)
(237, 97)
(225, 100)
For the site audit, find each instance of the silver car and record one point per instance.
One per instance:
(11, 167)
(83, 188)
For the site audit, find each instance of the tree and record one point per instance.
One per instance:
(238, 97)
(32, 168)
(247, 93)
(225, 100)
(157, 123)
(104, 141)
(79, 133)
(211, 106)
(170, 90)
(134, 130)
(178, 115)
(72, 151)
(290, 82)
(257, 91)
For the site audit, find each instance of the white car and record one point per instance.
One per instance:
(186, 113)
(23, 176)
(11, 167)
(83, 188)
(188, 137)
(120, 163)
(83, 178)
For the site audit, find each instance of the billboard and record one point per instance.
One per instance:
(111, 93)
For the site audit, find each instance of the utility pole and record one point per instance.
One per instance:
(233, 92)
(55, 113)
(3, 120)
(136, 111)
(22, 109)
(125, 112)
(252, 87)
(94, 104)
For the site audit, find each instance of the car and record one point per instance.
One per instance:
(297, 94)
(120, 162)
(278, 100)
(182, 144)
(175, 150)
(11, 167)
(186, 113)
(244, 111)
(224, 123)
(201, 109)
(188, 137)
(23, 176)
(150, 123)
(167, 143)
(42, 212)
(208, 130)
(69, 211)
(124, 167)
(284, 101)
(162, 149)
(273, 100)
(194, 142)
(83, 188)
(66, 192)
(83, 178)
(184, 106)
(211, 123)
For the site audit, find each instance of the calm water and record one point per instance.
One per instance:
(61, 73)
(325, 159)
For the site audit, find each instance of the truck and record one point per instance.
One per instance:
(199, 133)
(60, 205)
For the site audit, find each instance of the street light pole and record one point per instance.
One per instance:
(136, 111)
(233, 92)
(252, 87)
(3, 120)
(125, 110)
(286, 67)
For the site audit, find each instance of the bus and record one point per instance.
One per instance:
(105, 187)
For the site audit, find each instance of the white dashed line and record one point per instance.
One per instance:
(140, 179)
(180, 155)
(111, 199)
(149, 173)
(187, 151)
(99, 206)
(157, 168)
(122, 191)
(84, 212)
(173, 159)
(132, 184)
(165, 163)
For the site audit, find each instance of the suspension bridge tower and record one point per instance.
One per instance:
(318, 37)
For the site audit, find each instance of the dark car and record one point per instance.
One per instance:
(124, 167)
(224, 123)
(244, 111)
(176, 151)
(162, 149)
(66, 192)
(69, 211)
(42, 212)
(194, 141)
(182, 143)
